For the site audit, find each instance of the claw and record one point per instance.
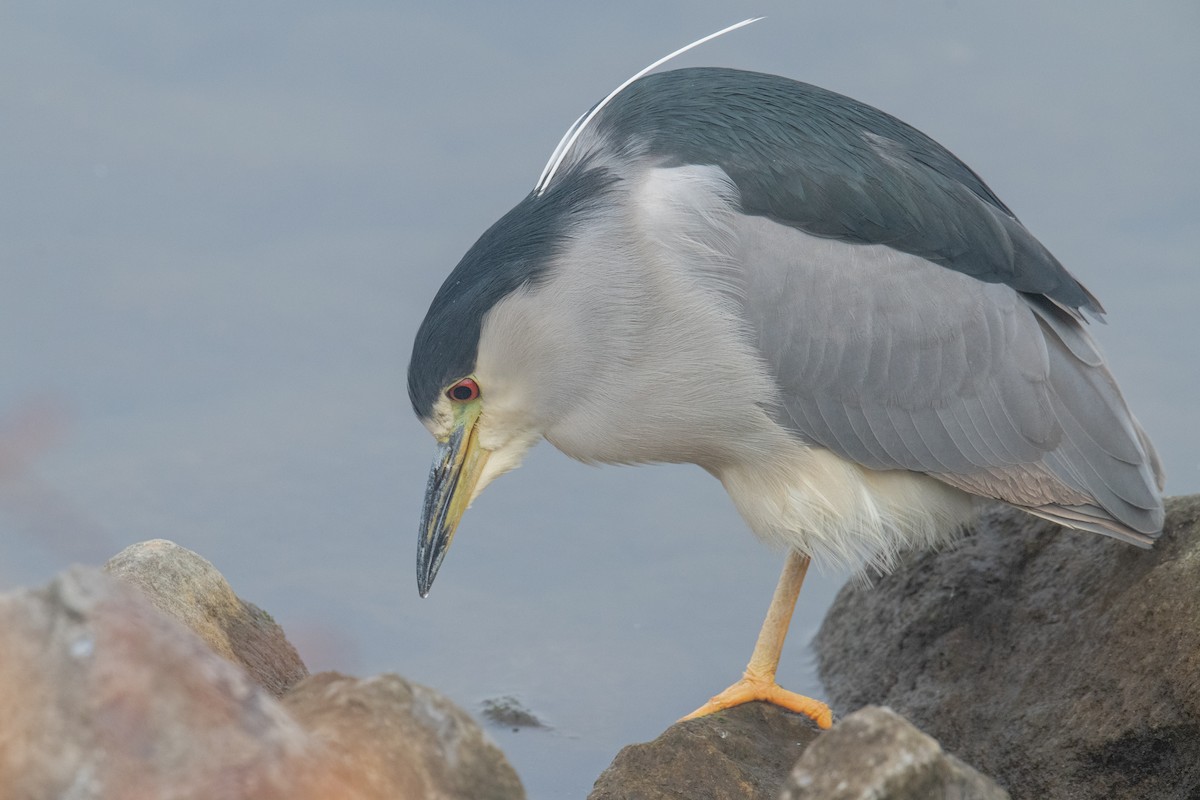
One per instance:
(751, 689)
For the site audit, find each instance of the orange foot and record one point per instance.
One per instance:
(767, 690)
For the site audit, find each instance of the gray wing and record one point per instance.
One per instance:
(897, 363)
(909, 318)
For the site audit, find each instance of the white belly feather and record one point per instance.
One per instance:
(839, 512)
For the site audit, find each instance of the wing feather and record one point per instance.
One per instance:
(895, 362)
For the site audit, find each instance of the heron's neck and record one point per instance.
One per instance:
(666, 372)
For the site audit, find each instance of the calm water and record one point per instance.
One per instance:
(219, 231)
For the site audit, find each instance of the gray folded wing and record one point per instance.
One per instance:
(910, 320)
(897, 363)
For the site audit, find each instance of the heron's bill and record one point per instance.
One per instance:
(452, 480)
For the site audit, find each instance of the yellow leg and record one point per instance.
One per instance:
(758, 682)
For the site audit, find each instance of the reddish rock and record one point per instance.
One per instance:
(106, 698)
(402, 739)
(180, 583)
(103, 697)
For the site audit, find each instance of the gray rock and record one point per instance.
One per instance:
(508, 711)
(738, 754)
(875, 754)
(1065, 664)
(187, 587)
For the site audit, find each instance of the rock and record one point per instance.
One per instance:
(103, 697)
(876, 753)
(1065, 664)
(106, 698)
(187, 587)
(741, 753)
(508, 711)
(408, 735)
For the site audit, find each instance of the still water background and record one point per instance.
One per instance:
(220, 225)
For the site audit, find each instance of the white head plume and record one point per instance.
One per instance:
(564, 144)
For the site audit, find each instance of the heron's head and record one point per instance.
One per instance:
(494, 353)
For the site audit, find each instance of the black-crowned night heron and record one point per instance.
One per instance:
(813, 301)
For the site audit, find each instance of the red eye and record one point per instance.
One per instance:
(464, 391)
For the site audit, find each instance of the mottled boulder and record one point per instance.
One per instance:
(104, 697)
(180, 583)
(738, 754)
(876, 753)
(407, 736)
(1064, 664)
